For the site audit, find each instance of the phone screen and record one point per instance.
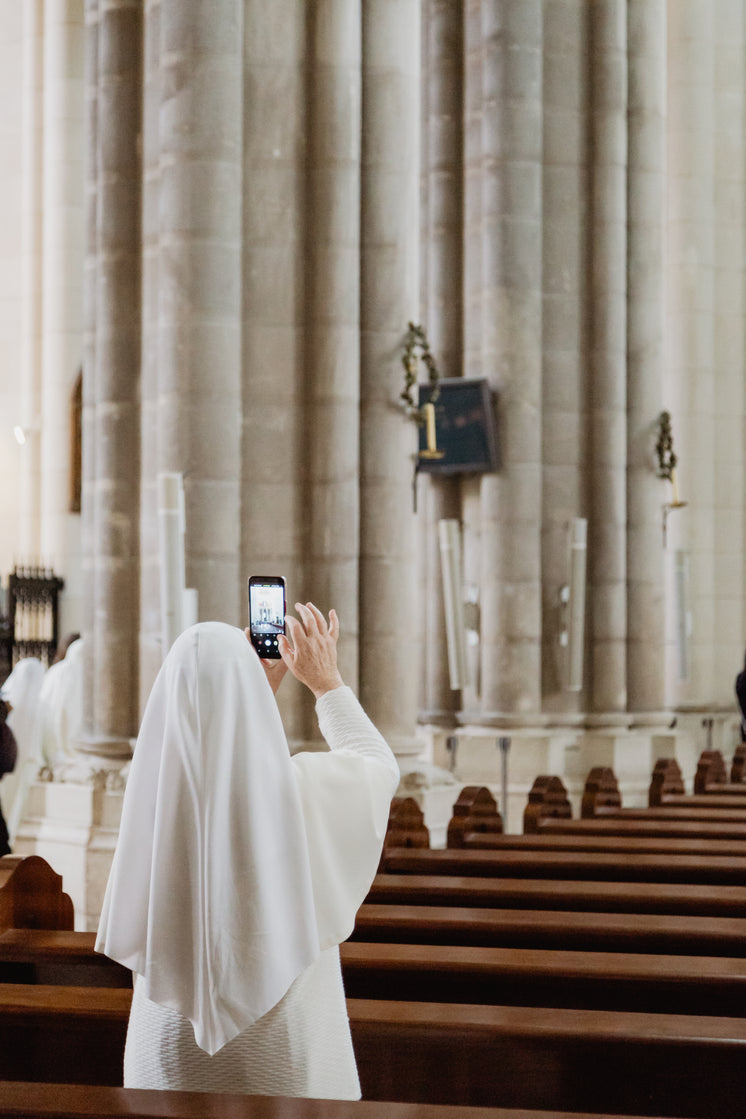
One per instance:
(266, 613)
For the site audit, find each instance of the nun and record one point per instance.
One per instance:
(239, 869)
(22, 693)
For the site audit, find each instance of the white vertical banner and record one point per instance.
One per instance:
(449, 536)
(576, 604)
(171, 528)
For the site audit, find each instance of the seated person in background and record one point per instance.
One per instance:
(8, 755)
(239, 870)
(741, 696)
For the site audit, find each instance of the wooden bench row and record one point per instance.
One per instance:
(456, 1054)
(82, 1101)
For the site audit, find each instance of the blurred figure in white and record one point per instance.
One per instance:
(61, 703)
(21, 691)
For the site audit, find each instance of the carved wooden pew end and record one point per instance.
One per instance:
(666, 781)
(474, 811)
(601, 791)
(31, 895)
(710, 771)
(406, 826)
(547, 799)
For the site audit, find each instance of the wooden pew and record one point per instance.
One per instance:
(603, 980)
(666, 933)
(545, 825)
(515, 893)
(31, 895)
(63, 958)
(577, 865)
(77, 1101)
(455, 1054)
(711, 776)
(602, 800)
(682, 983)
(667, 791)
(474, 813)
(406, 825)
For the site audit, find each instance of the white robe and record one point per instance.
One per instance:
(230, 915)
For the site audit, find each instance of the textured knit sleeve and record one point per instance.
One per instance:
(346, 727)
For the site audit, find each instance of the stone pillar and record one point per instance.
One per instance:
(150, 653)
(332, 356)
(90, 274)
(442, 313)
(389, 651)
(474, 50)
(607, 296)
(511, 501)
(113, 492)
(29, 543)
(564, 278)
(729, 305)
(273, 463)
(62, 297)
(199, 284)
(690, 386)
(646, 494)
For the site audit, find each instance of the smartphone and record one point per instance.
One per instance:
(266, 613)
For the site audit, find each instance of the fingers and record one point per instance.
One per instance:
(333, 624)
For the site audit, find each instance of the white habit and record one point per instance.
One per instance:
(238, 872)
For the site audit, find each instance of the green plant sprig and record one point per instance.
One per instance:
(415, 339)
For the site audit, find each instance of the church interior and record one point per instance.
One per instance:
(435, 309)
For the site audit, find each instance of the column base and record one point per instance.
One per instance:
(72, 820)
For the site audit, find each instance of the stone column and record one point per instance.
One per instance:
(273, 466)
(332, 355)
(112, 676)
(61, 294)
(150, 650)
(645, 664)
(564, 272)
(607, 296)
(442, 313)
(729, 615)
(389, 652)
(474, 50)
(690, 385)
(199, 284)
(90, 274)
(511, 501)
(29, 543)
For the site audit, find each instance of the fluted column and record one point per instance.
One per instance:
(90, 275)
(112, 664)
(511, 501)
(199, 284)
(389, 298)
(29, 543)
(646, 33)
(690, 286)
(62, 297)
(151, 653)
(273, 467)
(474, 50)
(607, 296)
(729, 608)
(442, 303)
(332, 357)
(564, 269)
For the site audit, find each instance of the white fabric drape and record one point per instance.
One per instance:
(22, 691)
(222, 890)
(61, 707)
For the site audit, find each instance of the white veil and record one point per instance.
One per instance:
(216, 895)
